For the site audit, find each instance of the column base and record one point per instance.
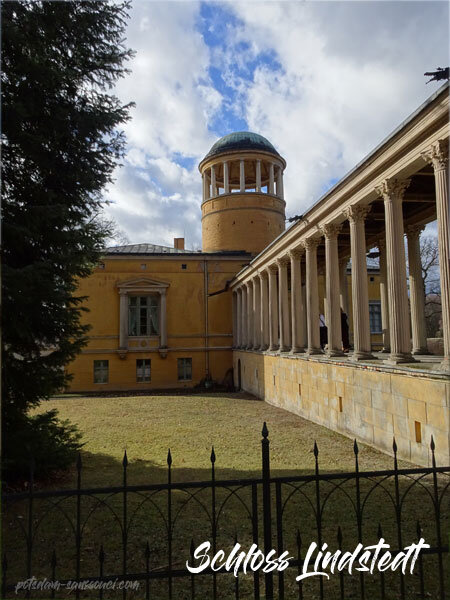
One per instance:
(359, 355)
(423, 351)
(399, 358)
(255, 348)
(445, 365)
(332, 353)
(273, 348)
(385, 351)
(264, 348)
(296, 350)
(313, 351)
(285, 349)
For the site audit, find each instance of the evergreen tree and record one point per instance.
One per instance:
(61, 143)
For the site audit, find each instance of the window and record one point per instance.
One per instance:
(143, 315)
(184, 266)
(143, 370)
(375, 316)
(101, 369)
(184, 369)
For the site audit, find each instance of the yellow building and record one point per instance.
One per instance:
(162, 317)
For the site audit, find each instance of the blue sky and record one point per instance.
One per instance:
(323, 81)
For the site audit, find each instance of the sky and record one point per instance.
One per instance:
(325, 82)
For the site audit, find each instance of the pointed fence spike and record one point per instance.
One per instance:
(101, 554)
(380, 532)
(147, 550)
(235, 537)
(4, 563)
(265, 431)
(169, 458)
(394, 446)
(355, 447)
(79, 461)
(213, 456)
(299, 539)
(125, 460)
(192, 547)
(432, 445)
(53, 559)
(339, 535)
(316, 449)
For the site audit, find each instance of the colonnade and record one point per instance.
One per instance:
(212, 184)
(266, 319)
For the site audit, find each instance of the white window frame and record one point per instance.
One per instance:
(104, 369)
(142, 378)
(184, 378)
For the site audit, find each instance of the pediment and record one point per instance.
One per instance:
(142, 283)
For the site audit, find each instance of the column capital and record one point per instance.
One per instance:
(414, 231)
(357, 212)
(273, 267)
(392, 189)
(262, 274)
(311, 243)
(331, 230)
(296, 253)
(437, 155)
(283, 261)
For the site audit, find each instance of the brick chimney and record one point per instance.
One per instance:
(178, 243)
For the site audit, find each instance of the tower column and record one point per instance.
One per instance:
(297, 308)
(206, 194)
(258, 176)
(312, 295)
(416, 291)
(360, 293)
(238, 317)
(264, 317)
(256, 313)
(234, 312)
(271, 179)
(332, 302)
(283, 304)
(280, 191)
(242, 175)
(384, 296)
(438, 156)
(226, 178)
(392, 191)
(273, 308)
(213, 182)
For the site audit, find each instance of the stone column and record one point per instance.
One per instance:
(392, 191)
(312, 296)
(416, 291)
(123, 330)
(163, 320)
(438, 156)
(234, 311)
(258, 176)
(271, 179)
(244, 317)
(264, 316)
(283, 304)
(242, 175)
(280, 191)
(297, 308)
(213, 182)
(256, 313)
(206, 190)
(238, 318)
(273, 308)
(360, 293)
(226, 178)
(384, 297)
(333, 304)
(249, 315)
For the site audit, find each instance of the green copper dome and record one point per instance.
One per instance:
(241, 140)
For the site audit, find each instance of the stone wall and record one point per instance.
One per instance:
(372, 404)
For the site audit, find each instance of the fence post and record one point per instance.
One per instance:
(267, 511)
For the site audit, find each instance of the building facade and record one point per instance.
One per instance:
(252, 308)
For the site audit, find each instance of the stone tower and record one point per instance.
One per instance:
(243, 204)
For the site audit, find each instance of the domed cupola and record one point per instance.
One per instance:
(243, 202)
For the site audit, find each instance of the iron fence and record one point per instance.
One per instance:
(147, 533)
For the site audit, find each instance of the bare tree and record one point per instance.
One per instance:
(429, 255)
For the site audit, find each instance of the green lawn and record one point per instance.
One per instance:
(147, 426)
